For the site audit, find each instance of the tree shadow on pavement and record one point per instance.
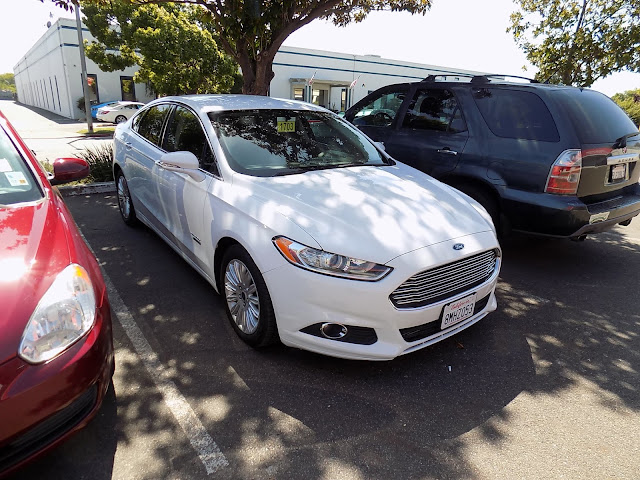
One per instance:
(564, 317)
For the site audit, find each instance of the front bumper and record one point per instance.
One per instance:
(302, 299)
(568, 216)
(42, 405)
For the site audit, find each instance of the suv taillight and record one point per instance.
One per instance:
(565, 173)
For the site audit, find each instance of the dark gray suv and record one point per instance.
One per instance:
(544, 159)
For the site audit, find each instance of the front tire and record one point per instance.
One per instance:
(247, 300)
(127, 212)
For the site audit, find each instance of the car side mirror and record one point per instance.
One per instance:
(380, 145)
(67, 170)
(182, 162)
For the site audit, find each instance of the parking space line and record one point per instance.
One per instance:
(208, 451)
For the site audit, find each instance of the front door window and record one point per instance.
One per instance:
(380, 111)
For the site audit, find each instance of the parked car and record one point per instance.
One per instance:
(543, 159)
(95, 108)
(312, 235)
(118, 112)
(56, 350)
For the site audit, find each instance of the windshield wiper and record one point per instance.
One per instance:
(622, 141)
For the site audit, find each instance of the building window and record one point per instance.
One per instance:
(298, 93)
(128, 89)
(343, 100)
(92, 83)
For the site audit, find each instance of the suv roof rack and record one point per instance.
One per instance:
(487, 78)
(432, 78)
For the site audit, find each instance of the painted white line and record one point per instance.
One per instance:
(208, 451)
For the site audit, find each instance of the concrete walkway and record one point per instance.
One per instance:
(49, 135)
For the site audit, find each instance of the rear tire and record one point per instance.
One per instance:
(127, 212)
(120, 119)
(247, 300)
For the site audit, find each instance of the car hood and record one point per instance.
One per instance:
(371, 213)
(33, 250)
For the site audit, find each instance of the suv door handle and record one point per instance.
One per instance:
(128, 145)
(447, 151)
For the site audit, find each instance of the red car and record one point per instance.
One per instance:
(56, 347)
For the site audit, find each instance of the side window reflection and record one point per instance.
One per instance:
(381, 111)
(184, 133)
(434, 110)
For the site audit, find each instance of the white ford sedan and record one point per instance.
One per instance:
(311, 233)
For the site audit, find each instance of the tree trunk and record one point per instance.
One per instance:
(256, 74)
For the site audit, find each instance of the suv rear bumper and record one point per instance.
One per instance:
(567, 216)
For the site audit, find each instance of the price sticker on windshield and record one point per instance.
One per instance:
(286, 126)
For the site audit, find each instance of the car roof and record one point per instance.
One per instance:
(217, 103)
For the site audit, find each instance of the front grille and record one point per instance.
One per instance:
(445, 281)
(48, 430)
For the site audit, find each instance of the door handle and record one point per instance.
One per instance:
(128, 145)
(447, 151)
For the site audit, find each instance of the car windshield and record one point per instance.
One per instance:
(280, 142)
(17, 183)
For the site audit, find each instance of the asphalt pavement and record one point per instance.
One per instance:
(546, 387)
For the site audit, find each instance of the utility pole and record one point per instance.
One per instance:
(83, 65)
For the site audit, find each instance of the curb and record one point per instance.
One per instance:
(88, 189)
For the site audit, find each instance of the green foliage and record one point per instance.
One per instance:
(629, 101)
(7, 82)
(576, 42)
(176, 52)
(80, 103)
(99, 158)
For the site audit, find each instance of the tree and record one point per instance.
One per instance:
(7, 82)
(629, 101)
(576, 42)
(252, 31)
(177, 53)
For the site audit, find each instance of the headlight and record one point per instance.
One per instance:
(329, 263)
(63, 315)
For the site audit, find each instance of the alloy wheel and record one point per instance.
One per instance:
(124, 199)
(242, 296)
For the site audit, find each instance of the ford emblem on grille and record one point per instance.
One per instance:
(458, 246)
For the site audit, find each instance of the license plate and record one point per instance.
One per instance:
(458, 311)
(618, 172)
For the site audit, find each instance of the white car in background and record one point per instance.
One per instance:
(311, 233)
(118, 112)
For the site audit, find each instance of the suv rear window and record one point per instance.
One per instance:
(516, 114)
(595, 117)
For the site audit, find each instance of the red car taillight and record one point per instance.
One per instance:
(565, 173)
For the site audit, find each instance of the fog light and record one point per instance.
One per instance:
(334, 331)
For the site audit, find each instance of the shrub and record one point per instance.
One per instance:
(99, 158)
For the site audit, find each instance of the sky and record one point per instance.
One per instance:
(465, 34)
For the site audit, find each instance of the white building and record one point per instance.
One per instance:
(49, 75)
(334, 73)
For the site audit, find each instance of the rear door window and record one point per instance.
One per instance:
(516, 114)
(150, 125)
(595, 117)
